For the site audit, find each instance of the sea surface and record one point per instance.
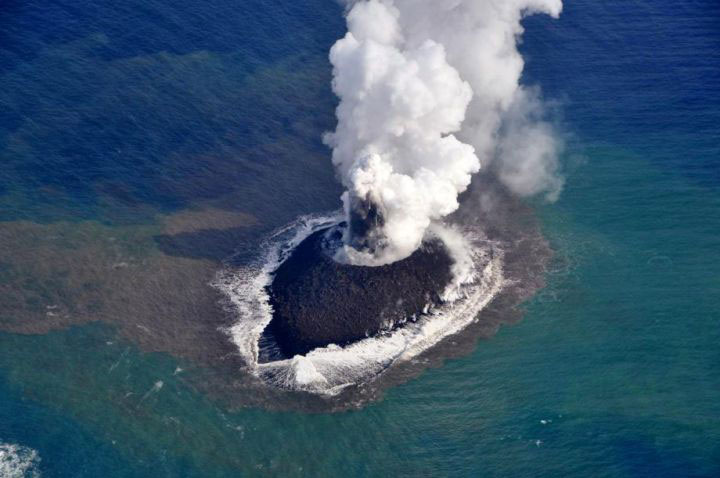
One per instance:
(144, 142)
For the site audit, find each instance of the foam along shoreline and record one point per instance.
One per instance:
(477, 278)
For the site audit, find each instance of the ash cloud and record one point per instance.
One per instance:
(430, 92)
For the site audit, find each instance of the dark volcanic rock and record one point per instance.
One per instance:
(318, 301)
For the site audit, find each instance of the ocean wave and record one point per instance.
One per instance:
(18, 461)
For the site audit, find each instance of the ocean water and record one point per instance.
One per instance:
(143, 142)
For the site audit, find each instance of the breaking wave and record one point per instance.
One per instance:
(18, 461)
(478, 277)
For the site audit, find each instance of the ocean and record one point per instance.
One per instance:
(143, 144)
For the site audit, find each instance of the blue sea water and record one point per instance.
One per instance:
(115, 115)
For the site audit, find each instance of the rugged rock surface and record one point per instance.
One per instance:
(318, 301)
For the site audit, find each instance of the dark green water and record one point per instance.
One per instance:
(107, 141)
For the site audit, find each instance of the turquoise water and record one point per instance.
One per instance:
(119, 119)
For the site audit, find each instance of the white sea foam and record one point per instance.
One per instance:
(18, 461)
(245, 287)
(477, 279)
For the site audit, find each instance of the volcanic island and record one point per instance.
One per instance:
(318, 301)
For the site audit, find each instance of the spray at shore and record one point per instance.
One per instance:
(430, 91)
(329, 370)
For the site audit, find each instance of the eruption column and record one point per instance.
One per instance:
(428, 90)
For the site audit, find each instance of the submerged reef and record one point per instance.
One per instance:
(318, 301)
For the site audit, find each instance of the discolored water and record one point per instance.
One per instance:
(143, 143)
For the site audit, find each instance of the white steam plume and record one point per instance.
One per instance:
(429, 90)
